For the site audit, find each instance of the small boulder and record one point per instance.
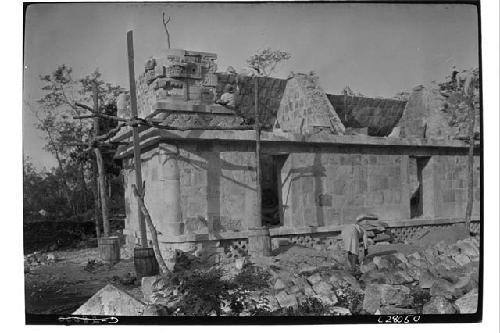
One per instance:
(377, 295)
(381, 263)
(365, 268)
(338, 275)
(112, 301)
(287, 301)
(426, 279)
(328, 300)
(441, 247)
(323, 288)
(468, 247)
(339, 311)
(239, 263)
(313, 279)
(438, 305)
(468, 302)
(414, 256)
(393, 310)
(150, 285)
(279, 284)
(442, 287)
(461, 259)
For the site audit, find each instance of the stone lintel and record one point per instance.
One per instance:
(152, 136)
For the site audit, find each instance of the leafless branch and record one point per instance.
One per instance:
(166, 30)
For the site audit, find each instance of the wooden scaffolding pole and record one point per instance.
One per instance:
(259, 239)
(100, 168)
(135, 129)
(257, 152)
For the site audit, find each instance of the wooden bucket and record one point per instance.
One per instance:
(145, 262)
(259, 242)
(109, 249)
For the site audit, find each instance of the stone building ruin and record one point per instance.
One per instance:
(325, 160)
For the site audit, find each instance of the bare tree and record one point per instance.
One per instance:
(165, 22)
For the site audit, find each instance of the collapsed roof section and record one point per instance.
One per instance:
(188, 83)
(305, 108)
(378, 115)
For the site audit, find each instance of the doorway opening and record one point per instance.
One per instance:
(416, 168)
(272, 204)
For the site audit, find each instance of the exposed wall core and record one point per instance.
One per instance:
(417, 190)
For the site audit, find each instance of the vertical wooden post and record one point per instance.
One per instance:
(257, 152)
(135, 130)
(470, 164)
(100, 167)
(97, 200)
(259, 239)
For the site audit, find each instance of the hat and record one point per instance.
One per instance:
(360, 218)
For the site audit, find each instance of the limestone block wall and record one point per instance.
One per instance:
(450, 174)
(327, 187)
(217, 183)
(270, 94)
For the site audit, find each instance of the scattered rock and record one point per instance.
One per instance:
(393, 310)
(441, 247)
(381, 263)
(438, 305)
(377, 295)
(468, 302)
(426, 279)
(461, 259)
(307, 269)
(339, 311)
(338, 275)
(442, 287)
(365, 268)
(279, 284)
(414, 256)
(323, 288)
(328, 300)
(112, 301)
(239, 263)
(287, 301)
(313, 279)
(430, 255)
(468, 247)
(150, 285)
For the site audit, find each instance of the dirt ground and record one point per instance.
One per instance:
(66, 281)
(60, 287)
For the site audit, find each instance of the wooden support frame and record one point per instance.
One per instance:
(137, 148)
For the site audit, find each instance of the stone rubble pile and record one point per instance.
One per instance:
(441, 279)
(37, 259)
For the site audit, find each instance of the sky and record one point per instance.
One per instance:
(376, 49)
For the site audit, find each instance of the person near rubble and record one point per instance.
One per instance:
(227, 99)
(351, 234)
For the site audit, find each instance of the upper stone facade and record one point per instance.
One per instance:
(188, 81)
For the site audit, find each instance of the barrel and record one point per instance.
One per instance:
(109, 249)
(259, 242)
(145, 262)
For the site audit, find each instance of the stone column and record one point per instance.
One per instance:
(171, 223)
